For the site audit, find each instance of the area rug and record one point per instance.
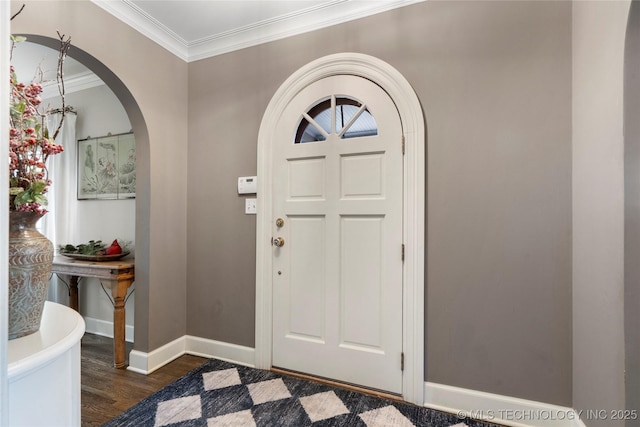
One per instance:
(221, 394)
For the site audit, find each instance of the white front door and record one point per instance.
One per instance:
(337, 228)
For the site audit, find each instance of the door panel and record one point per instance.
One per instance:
(362, 175)
(337, 285)
(361, 279)
(306, 178)
(307, 299)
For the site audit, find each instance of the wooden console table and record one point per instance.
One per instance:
(121, 271)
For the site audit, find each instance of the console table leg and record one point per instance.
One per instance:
(119, 292)
(73, 293)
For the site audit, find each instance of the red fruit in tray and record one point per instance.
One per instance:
(114, 249)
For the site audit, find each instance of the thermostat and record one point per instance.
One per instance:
(247, 185)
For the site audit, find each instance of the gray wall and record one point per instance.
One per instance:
(495, 82)
(598, 208)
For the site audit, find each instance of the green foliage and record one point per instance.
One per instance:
(94, 247)
(34, 194)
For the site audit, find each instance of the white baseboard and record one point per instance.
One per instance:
(505, 410)
(105, 328)
(146, 363)
(238, 354)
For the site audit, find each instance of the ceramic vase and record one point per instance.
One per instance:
(30, 259)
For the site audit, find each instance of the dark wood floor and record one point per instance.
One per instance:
(107, 392)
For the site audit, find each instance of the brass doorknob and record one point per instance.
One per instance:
(278, 241)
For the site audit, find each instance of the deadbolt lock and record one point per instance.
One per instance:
(279, 222)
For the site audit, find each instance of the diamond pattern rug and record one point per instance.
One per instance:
(222, 394)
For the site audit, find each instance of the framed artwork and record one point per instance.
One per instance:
(107, 167)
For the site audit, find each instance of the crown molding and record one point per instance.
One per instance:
(132, 15)
(299, 22)
(74, 83)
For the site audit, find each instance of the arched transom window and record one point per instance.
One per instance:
(343, 116)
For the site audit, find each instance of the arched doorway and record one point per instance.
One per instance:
(413, 205)
(142, 203)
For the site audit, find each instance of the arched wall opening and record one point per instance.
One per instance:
(142, 203)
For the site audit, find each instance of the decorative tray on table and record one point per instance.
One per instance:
(95, 250)
(97, 258)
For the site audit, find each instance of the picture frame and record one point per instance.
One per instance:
(107, 167)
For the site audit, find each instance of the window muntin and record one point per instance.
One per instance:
(340, 115)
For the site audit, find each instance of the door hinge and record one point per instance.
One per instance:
(403, 252)
(403, 145)
(402, 361)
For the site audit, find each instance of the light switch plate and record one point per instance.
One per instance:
(250, 206)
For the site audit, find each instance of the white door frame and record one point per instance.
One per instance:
(413, 129)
